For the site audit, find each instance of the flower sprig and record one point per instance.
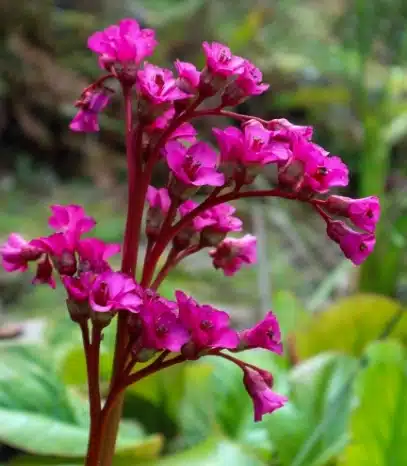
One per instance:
(160, 109)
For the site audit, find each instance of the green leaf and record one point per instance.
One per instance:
(349, 325)
(215, 451)
(379, 422)
(310, 429)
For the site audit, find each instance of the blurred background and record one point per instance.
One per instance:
(339, 65)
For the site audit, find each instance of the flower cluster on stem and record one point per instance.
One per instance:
(160, 108)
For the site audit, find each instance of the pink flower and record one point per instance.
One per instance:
(248, 83)
(320, 172)
(364, 213)
(230, 143)
(189, 77)
(112, 291)
(195, 165)
(86, 120)
(78, 288)
(185, 131)
(157, 85)
(265, 401)
(94, 253)
(220, 60)
(162, 329)
(215, 222)
(208, 327)
(16, 252)
(70, 218)
(265, 334)
(44, 273)
(283, 129)
(355, 246)
(61, 249)
(158, 199)
(232, 253)
(124, 43)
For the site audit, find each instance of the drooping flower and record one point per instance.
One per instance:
(44, 273)
(16, 252)
(125, 43)
(87, 118)
(194, 166)
(265, 401)
(265, 334)
(208, 327)
(61, 248)
(189, 77)
(355, 246)
(70, 218)
(364, 213)
(112, 291)
(247, 84)
(220, 60)
(157, 85)
(162, 330)
(232, 253)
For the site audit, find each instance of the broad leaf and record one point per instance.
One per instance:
(349, 325)
(310, 429)
(39, 415)
(379, 422)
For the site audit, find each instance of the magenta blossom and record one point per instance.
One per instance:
(283, 129)
(61, 249)
(208, 327)
(87, 118)
(317, 170)
(78, 288)
(70, 218)
(265, 401)
(194, 166)
(157, 85)
(364, 213)
(16, 252)
(44, 273)
(94, 253)
(162, 329)
(265, 334)
(219, 219)
(113, 291)
(232, 253)
(158, 198)
(355, 246)
(247, 84)
(124, 43)
(189, 77)
(220, 60)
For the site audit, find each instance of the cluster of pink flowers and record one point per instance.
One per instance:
(159, 109)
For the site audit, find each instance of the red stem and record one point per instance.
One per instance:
(92, 350)
(225, 113)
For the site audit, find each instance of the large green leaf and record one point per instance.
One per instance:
(310, 429)
(215, 451)
(349, 325)
(39, 415)
(379, 422)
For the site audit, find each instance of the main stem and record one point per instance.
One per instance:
(129, 263)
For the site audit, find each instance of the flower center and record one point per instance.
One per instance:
(322, 171)
(270, 333)
(362, 247)
(161, 330)
(102, 294)
(191, 166)
(369, 213)
(159, 80)
(225, 57)
(206, 324)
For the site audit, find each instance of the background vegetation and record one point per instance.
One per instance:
(337, 64)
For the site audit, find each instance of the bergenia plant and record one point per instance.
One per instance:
(160, 108)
